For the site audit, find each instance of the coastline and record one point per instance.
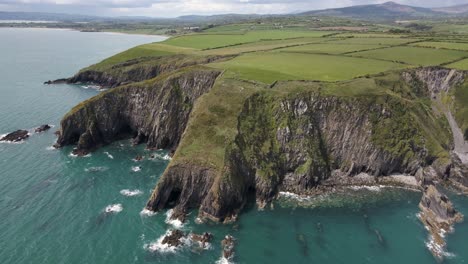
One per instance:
(40, 26)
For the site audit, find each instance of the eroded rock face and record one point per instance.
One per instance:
(16, 136)
(439, 217)
(155, 112)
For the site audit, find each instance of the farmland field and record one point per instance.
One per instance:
(331, 48)
(414, 55)
(443, 45)
(375, 41)
(207, 41)
(272, 66)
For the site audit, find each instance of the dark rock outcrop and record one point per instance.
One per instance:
(174, 238)
(438, 216)
(203, 240)
(16, 136)
(155, 112)
(228, 244)
(42, 128)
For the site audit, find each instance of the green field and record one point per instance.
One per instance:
(331, 48)
(374, 41)
(442, 45)
(209, 41)
(460, 65)
(414, 55)
(272, 66)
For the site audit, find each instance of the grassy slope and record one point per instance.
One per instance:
(272, 66)
(414, 55)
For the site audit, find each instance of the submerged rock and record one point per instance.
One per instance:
(438, 216)
(228, 244)
(16, 136)
(42, 128)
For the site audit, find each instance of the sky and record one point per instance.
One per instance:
(174, 8)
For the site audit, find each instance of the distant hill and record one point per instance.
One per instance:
(459, 9)
(39, 16)
(385, 11)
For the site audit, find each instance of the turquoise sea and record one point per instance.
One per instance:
(52, 205)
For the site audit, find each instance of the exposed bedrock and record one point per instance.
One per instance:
(154, 111)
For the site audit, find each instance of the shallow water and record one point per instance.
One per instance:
(56, 208)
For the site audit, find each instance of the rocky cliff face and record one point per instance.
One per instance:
(438, 82)
(295, 143)
(155, 112)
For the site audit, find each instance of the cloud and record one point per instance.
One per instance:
(168, 8)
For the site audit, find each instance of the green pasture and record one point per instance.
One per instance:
(414, 55)
(330, 48)
(272, 66)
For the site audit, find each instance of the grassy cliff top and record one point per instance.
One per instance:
(273, 55)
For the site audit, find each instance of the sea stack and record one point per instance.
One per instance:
(438, 216)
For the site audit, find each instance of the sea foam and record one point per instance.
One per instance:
(114, 208)
(146, 212)
(130, 193)
(174, 222)
(109, 155)
(158, 246)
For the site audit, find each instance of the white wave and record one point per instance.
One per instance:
(51, 148)
(130, 193)
(147, 212)
(96, 169)
(72, 155)
(223, 260)
(160, 157)
(174, 222)
(365, 187)
(109, 155)
(158, 246)
(114, 208)
(136, 168)
(438, 249)
(294, 196)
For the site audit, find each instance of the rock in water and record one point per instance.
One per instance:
(42, 128)
(17, 136)
(439, 217)
(203, 240)
(174, 239)
(228, 247)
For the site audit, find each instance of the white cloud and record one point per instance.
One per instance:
(168, 8)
